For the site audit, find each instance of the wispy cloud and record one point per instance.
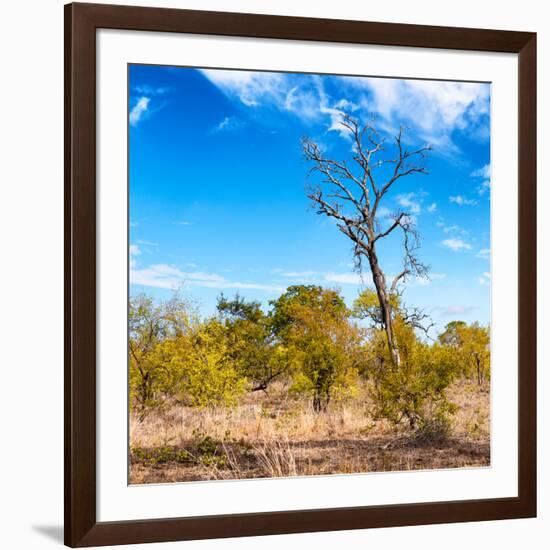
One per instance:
(183, 222)
(462, 201)
(484, 253)
(345, 278)
(425, 281)
(171, 277)
(139, 109)
(134, 250)
(299, 274)
(484, 278)
(383, 212)
(409, 201)
(434, 110)
(147, 90)
(252, 88)
(483, 187)
(432, 208)
(456, 229)
(228, 124)
(456, 244)
(483, 173)
(454, 310)
(450, 228)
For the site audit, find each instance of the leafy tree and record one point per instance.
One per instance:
(250, 341)
(367, 307)
(313, 324)
(207, 373)
(471, 347)
(414, 392)
(311, 296)
(150, 325)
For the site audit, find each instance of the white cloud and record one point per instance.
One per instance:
(183, 222)
(484, 278)
(484, 187)
(484, 253)
(383, 212)
(300, 95)
(298, 274)
(408, 201)
(451, 228)
(251, 88)
(456, 244)
(227, 124)
(432, 208)
(139, 108)
(345, 278)
(434, 109)
(462, 201)
(425, 281)
(171, 277)
(145, 89)
(483, 172)
(134, 250)
(454, 310)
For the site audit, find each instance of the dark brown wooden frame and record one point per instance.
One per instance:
(81, 23)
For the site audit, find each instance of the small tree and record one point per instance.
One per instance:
(416, 392)
(471, 347)
(321, 344)
(208, 375)
(150, 325)
(250, 340)
(352, 194)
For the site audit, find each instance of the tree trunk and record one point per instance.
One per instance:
(479, 372)
(380, 284)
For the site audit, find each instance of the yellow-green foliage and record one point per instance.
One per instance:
(250, 341)
(414, 391)
(208, 375)
(151, 327)
(471, 349)
(321, 342)
(310, 340)
(172, 353)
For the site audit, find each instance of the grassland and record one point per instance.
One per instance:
(273, 435)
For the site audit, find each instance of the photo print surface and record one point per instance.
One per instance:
(309, 274)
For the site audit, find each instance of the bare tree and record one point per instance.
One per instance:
(352, 193)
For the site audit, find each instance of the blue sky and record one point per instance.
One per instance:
(218, 185)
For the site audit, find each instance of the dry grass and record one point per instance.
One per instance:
(274, 436)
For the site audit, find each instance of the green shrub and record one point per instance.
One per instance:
(415, 391)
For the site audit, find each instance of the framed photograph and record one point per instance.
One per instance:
(300, 275)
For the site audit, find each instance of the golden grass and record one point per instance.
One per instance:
(276, 436)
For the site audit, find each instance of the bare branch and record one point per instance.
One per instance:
(396, 223)
(396, 280)
(403, 166)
